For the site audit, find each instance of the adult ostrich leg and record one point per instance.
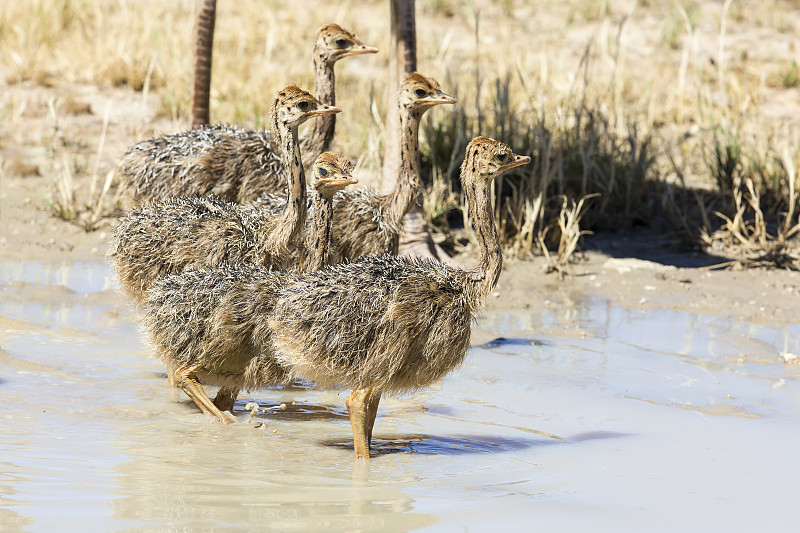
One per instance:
(416, 239)
(402, 62)
(204, 40)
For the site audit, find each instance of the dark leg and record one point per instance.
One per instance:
(226, 398)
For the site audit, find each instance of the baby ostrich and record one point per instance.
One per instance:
(210, 335)
(366, 222)
(232, 163)
(201, 324)
(382, 324)
(387, 323)
(332, 44)
(331, 175)
(170, 236)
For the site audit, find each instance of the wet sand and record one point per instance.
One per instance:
(572, 412)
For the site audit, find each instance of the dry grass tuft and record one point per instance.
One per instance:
(748, 232)
(569, 234)
(94, 206)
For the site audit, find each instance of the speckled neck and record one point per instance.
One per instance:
(318, 241)
(321, 136)
(402, 198)
(491, 263)
(294, 215)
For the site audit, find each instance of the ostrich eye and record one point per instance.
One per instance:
(502, 156)
(323, 172)
(420, 93)
(341, 43)
(302, 106)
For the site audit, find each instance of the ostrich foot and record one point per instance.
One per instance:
(186, 378)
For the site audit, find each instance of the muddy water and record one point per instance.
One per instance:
(589, 418)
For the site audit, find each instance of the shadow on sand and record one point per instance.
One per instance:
(650, 245)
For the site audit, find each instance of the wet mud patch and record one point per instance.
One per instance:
(292, 411)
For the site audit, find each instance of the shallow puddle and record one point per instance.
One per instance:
(656, 421)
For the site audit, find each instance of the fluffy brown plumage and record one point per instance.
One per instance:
(201, 323)
(229, 162)
(366, 222)
(379, 324)
(331, 175)
(167, 237)
(210, 332)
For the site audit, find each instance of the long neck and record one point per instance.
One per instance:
(488, 271)
(318, 241)
(294, 214)
(322, 135)
(404, 194)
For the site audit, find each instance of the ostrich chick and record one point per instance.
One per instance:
(204, 323)
(229, 162)
(332, 174)
(392, 324)
(168, 237)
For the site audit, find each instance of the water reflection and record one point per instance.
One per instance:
(191, 476)
(81, 277)
(444, 445)
(77, 295)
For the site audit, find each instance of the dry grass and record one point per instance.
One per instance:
(666, 111)
(70, 203)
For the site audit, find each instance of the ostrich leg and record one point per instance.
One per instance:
(402, 62)
(204, 32)
(362, 406)
(186, 379)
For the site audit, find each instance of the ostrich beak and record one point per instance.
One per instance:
(337, 180)
(516, 161)
(323, 110)
(361, 48)
(440, 98)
